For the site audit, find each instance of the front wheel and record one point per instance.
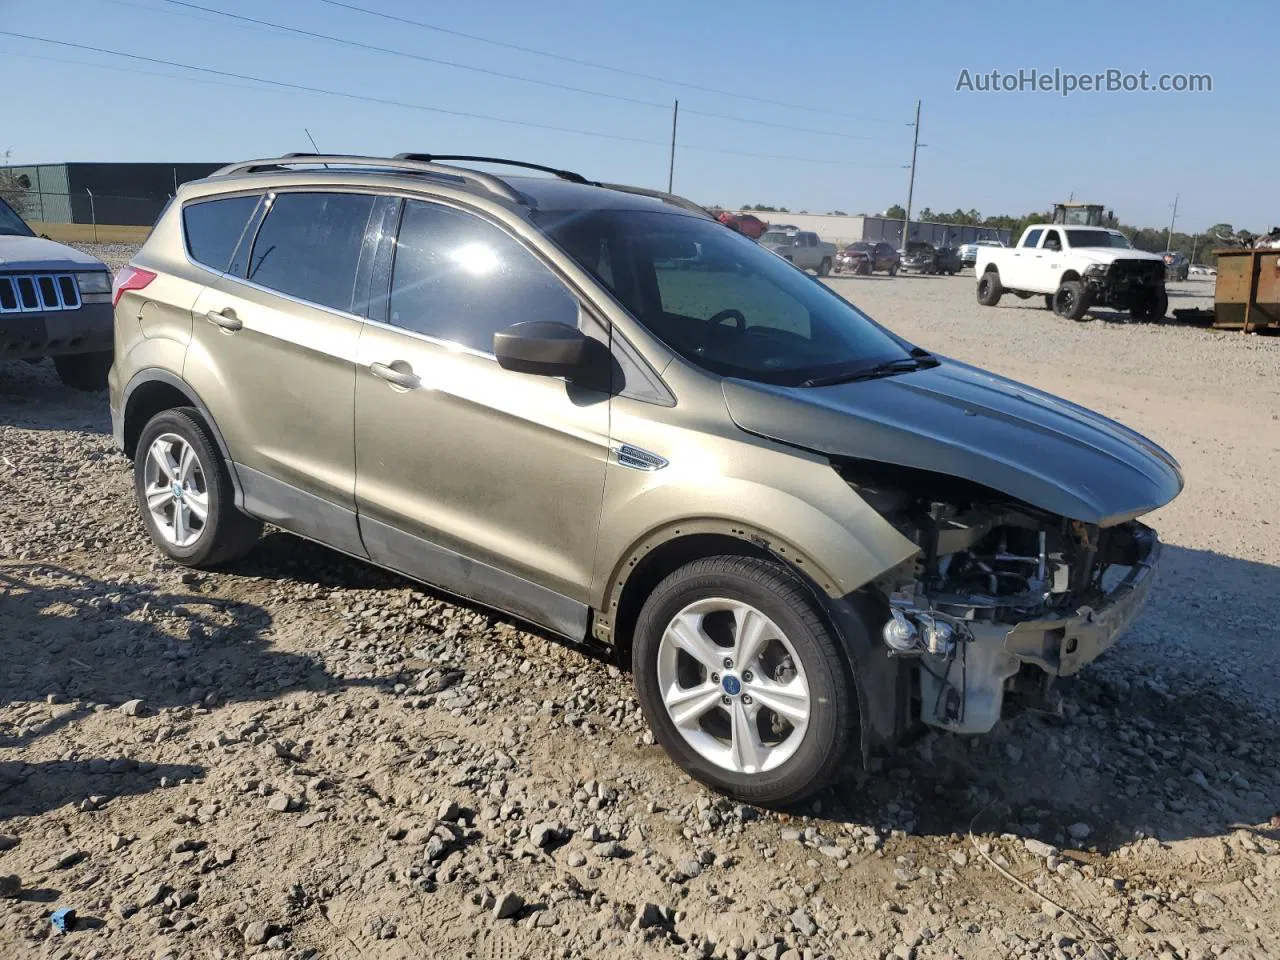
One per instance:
(185, 495)
(1152, 307)
(989, 289)
(742, 682)
(824, 268)
(1072, 300)
(84, 371)
(893, 271)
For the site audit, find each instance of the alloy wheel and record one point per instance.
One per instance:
(733, 685)
(176, 491)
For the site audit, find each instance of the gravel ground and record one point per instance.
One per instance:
(306, 757)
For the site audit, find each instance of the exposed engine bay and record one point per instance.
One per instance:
(999, 588)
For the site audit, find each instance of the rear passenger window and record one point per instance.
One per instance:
(214, 227)
(309, 246)
(460, 279)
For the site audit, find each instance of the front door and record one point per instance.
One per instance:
(273, 357)
(485, 482)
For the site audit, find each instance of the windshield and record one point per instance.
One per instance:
(11, 224)
(859, 248)
(719, 300)
(774, 236)
(1095, 238)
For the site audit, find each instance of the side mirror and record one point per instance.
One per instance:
(541, 347)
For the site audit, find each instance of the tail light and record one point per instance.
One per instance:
(129, 278)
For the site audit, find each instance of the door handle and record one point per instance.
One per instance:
(226, 319)
(405, 379)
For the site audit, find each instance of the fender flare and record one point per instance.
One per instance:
(159, 375)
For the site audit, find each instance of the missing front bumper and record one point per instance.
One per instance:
(965, 693)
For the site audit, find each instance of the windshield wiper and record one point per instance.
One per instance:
(886, 369)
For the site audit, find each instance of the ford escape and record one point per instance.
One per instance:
(600, 411)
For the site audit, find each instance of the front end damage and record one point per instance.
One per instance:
(1000, 594)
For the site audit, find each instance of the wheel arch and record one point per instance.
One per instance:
(661, 552)
(153, 391)
(1069, 275)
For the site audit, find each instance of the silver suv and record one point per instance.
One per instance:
(606, 414)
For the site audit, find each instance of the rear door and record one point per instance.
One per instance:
(1018, 267)
(483, 481)
(273, 357)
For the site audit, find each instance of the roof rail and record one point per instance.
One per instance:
(408, 164)
(562, 174)
(671, 198)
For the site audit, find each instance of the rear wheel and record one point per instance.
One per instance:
(1048, 301)
(84, 371)
(989, 289)
(185, 494)
(742, 681)
(1072, 300)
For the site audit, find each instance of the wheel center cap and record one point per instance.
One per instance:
(177, 491)
(731, 684)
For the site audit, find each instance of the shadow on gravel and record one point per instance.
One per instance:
(33, 398)
(27, 789)
(71, 645)
(283, 556)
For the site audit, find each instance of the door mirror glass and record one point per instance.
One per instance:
(541, 347)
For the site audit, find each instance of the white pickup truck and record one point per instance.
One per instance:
(1075, 269)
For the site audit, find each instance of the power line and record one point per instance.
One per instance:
(390, 51)
(598, 66)
(383, 101)
(348, 42)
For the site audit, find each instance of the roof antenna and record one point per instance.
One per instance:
(312, 139)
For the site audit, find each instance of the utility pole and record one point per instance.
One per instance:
(911, 184)
(1168, 240)
(671, 167)
(1195, 240)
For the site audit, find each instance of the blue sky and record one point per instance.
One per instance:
(862, 65)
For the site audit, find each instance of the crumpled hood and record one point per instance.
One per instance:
(958, 420)
(36, 253)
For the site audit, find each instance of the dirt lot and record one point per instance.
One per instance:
(328, 761)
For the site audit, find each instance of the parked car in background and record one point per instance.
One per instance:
(55, 301)
(1177, 266)
(1201, 270)
(1074, 269)
(969, 251)
(766, 501)
(803, 248)
(746, 224)
(923, 257)
(867, 257)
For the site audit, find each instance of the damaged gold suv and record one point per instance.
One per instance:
(597, 409)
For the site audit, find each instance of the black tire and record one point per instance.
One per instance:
(227, 533)
(778, 594)
(1072, 301)
(824, 268)
(1048, 301)
(893, 271)
(1151, 308)
(989, 289)
(84, 371)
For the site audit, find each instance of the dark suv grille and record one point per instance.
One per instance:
(38, 292)
(1138, 271)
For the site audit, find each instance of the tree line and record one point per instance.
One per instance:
(1197, 247)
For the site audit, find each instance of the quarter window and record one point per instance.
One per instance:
(309, 246)
(460, 279)
(214, 227)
